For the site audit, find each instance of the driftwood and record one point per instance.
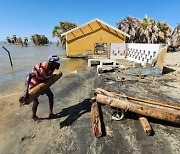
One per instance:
(145, 125)
(96, 122)
(113, 94)
(157, 110)
(37, 90)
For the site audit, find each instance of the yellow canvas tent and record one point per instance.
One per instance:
(80, 41)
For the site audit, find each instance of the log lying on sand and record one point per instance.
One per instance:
(145, 125)
(162, 111)
(113, 94)
(96, 122)
(37, 90)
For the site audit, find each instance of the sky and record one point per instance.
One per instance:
(24, 18)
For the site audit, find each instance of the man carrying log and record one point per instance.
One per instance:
(40, 73)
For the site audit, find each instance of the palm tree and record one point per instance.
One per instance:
(145, 30)
(175, 38)
(129, 25)
(61, 28)
(56, 32)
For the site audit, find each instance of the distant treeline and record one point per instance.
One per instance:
(17, 40)
(36, 39)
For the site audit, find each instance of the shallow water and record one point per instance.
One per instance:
(24, 58)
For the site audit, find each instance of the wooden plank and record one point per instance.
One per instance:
(96, 122)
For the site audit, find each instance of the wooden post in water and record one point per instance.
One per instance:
(9, 55)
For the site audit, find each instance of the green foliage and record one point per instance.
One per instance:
(39, 39)
(145, 30)
(163, 26)
(56, 32)
(146, 22)
(63, 26)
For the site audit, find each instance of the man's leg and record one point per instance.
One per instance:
(51, 102)
(34, 109)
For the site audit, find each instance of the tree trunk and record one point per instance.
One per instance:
(151, 110)
(96, 122)
(116, 95)
(145, 125)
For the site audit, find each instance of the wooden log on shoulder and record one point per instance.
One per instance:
(37, 90)
(96, 122)
(145, 125)
(151, 110)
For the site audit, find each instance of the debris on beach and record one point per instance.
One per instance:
(127, 80)
(96, 122)
(146, 59)
(145, 125)
(142, 107)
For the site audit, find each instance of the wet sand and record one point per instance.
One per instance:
(71, 132)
